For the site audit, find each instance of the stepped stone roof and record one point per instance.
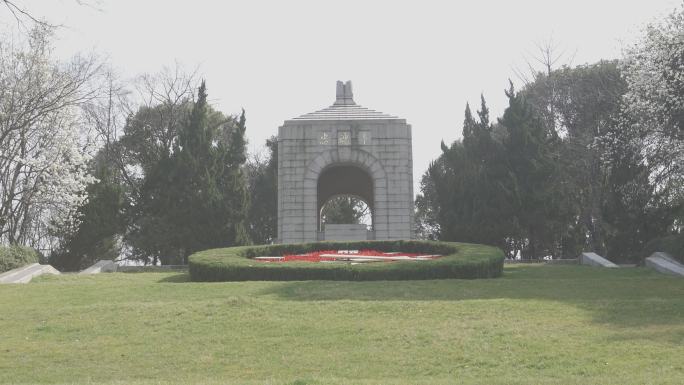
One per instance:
(345, 108)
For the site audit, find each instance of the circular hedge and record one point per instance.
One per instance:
(459, 260)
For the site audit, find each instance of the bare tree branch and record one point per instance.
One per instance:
(20, 14)
(548, 57)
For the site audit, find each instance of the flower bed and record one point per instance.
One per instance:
(350, 256)
(439, 260)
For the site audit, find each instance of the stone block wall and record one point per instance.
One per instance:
(381, 147)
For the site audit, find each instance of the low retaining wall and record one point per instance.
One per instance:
(148, 268)
(563, 261)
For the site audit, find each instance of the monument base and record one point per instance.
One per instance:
(345, 232)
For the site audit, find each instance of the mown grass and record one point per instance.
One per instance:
(535, 325)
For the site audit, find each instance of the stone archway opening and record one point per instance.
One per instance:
(346, 209)
(345, 185)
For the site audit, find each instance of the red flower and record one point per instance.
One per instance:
(348, 256)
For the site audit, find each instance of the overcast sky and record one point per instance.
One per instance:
(419, 60)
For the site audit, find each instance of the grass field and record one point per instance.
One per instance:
(535, 325)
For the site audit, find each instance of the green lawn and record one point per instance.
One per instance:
(535, 325)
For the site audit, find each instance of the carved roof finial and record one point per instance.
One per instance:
(344, 94)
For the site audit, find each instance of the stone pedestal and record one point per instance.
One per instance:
(344, 232)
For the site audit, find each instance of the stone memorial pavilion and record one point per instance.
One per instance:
(344, 149)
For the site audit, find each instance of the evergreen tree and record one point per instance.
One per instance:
(530, 170)
(196, 198)
(566, 168)
(234, 182)
(462, 197)
(427, 219)
(102, 221)
(154, 233)
(263, 193)
(345, 209)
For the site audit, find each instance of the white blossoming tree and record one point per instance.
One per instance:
(654, 103)
(43, 148)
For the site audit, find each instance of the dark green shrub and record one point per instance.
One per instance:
(12, 257)
(460, 260)
(671, 244)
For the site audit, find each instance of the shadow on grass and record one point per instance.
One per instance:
(622, 298)
(176, 278)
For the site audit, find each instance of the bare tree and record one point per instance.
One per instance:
(549, 56)
(539, 69)
(157, 106)
(22, 14)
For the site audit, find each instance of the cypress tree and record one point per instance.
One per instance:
(235, 187)
(196, 199)
(530, 168)
(263, 193)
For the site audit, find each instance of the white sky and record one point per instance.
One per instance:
(419, 60)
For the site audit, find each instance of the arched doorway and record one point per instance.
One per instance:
(345, 184)
(345, 209)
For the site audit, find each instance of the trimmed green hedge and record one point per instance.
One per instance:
(459, 260)
(12, 257)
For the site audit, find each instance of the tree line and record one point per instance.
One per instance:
(589, 158)
(95, 167)
(175, 181)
